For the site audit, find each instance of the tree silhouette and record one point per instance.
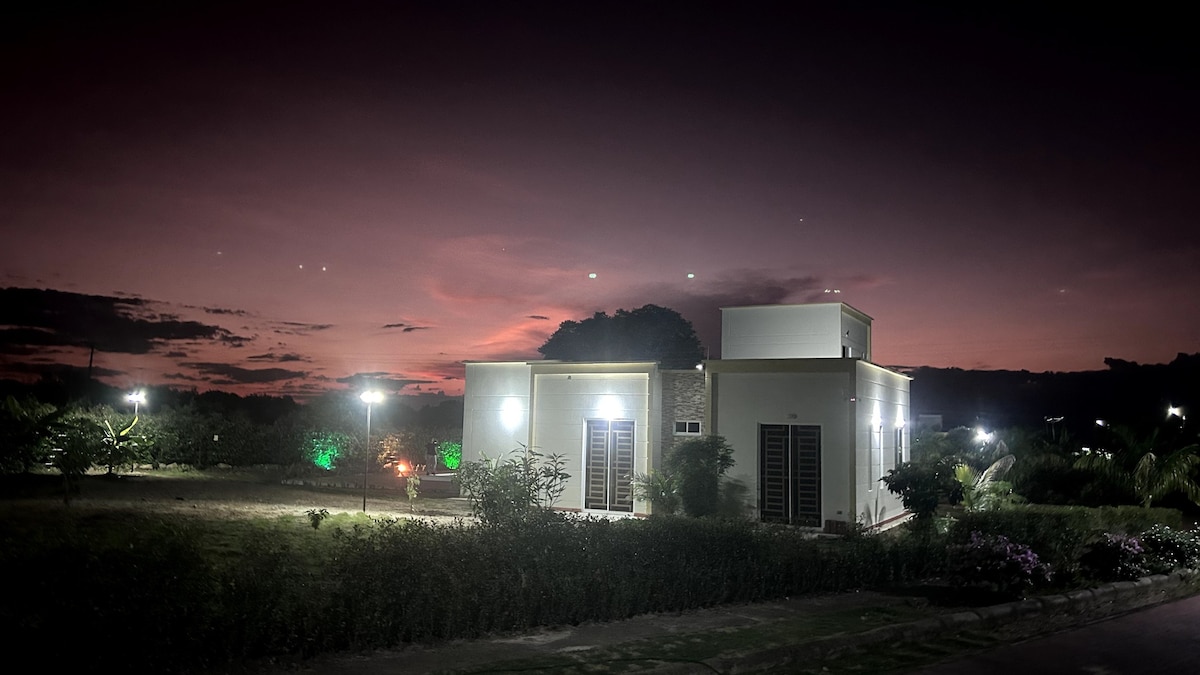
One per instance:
(1147, 467)
(648, 333)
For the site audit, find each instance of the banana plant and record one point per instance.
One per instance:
(986, 490)
(121, 445)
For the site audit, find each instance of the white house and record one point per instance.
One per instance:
(813, 423)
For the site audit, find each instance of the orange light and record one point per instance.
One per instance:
(401, 469)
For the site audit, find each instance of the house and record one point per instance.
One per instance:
(813, 422)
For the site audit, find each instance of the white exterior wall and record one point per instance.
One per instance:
(747, 399)
(882, 399)
(564, 401)
(794, 332)
(495, 409)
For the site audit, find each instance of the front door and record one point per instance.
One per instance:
(609, 465)
(789, 473)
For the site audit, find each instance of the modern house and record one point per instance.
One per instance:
(813, 423)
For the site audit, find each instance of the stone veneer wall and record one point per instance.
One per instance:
(682, 400)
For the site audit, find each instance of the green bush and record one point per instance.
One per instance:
(1060, 535)
(1114, 557)
(696, 466)
(1170, 549)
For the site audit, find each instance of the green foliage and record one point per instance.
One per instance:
(982, 491)
(659, 488)
(1060, 535)
(1114, 557)
(1170, 549)
(696, 467)
(412, 486)
(995, 563)
(1148, 466)
(120, 447)
(648, 333)
(512, 490)
(450, 453)
(25, 428)
(316, 517)
(921, 486)
(325, 448)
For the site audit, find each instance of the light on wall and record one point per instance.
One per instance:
(609, 407)
(511, 413)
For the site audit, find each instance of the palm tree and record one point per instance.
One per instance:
(1141, 465)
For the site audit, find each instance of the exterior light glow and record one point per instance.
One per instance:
(511, 413)
(876, 417)
(137, 398)
(609, 407)
(591, 275)
(691, 276)
(1174, 411)
(982, 436)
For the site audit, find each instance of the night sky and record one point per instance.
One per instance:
(286, 197)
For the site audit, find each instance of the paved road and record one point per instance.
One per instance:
(1164, 639)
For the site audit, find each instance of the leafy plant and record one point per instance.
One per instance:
(315, 517)
(509, 491)
(696, 467)
(985, 490)
(121, 446)
(1168, 549)
(920, 486)
(1147, 466)
(659, 488)
(993, 562)
(412, 485)
(1115, 556)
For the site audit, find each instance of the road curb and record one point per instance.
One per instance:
(1152, 590)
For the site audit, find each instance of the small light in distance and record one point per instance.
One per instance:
(691, 275)
(591, 275)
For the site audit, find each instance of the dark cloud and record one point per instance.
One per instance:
(237, 375)
(222, 310)
(394, 325)
(278, 358)
(297, 328)
(181, 376)
(44, 317)
(409, 329)
(539, 317)
(383, 381)
(175, 354)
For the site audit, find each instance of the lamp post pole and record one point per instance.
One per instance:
(370, 398)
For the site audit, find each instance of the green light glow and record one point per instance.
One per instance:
(325, 448)
(451, 454)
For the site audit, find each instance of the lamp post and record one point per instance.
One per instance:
(136, 398)
(370, 398)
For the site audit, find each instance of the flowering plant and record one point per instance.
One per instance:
(994, 563)
(1114, 557)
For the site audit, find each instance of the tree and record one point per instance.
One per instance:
(648, 333)
(1147, 466)
(24, 429)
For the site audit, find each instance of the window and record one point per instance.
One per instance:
(687, 428)
(608, 465)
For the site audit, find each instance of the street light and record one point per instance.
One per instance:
(136, 398)
(1175, 411)
(370, 398)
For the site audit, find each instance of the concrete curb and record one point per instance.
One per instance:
(824, 647)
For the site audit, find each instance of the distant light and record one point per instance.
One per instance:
(323, 268)
(1174, 411)
(982, 436)
(302, 267)
(592, 275)
(136, 397)
(371, 396)
(1101, 423)
(691, 276)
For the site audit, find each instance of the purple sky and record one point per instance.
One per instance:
(279, 197)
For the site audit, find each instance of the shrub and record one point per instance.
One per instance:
(1168, 549)
(509, 491)
(994, 563)
(1114, 557)
(697, 466)
(920, 487)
